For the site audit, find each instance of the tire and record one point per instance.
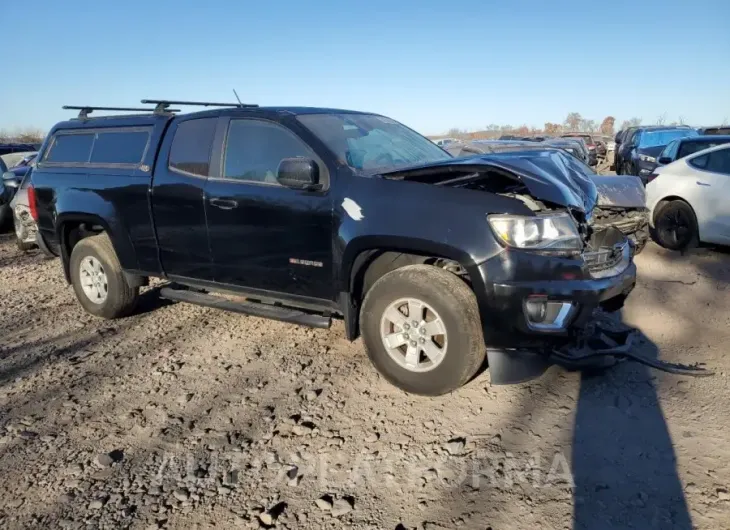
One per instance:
(443, 295)
(43, 246)
(97, 253)
(675, 226)
(4, 214)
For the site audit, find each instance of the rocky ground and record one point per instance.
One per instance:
(185, 417)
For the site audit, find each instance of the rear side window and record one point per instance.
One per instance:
(99, 147)
(699, 161)
(119, 147)
(719, 161)
(190, 151)
(70, 148)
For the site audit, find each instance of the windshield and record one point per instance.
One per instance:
(369, 143)
(657, 138)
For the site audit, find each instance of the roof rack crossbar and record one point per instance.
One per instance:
(161, 105)
(84, 111)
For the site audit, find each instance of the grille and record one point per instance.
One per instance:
(607, 254)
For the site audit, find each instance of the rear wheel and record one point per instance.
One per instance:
(676, 226)
(421, 329)
(98, 280)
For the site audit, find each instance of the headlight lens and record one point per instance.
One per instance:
(647, 158)
(544, 232)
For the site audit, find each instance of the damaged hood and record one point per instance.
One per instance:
(550, 175)
(620, 191)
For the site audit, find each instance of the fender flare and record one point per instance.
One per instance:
(119, 237)
(360, 253)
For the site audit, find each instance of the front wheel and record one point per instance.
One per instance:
(98, 280)
(676, 226)
(422, 331)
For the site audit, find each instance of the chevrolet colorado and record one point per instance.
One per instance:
(305, 214)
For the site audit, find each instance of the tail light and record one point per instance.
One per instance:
(32, 203)
(651, 177)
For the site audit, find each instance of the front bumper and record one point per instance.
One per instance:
(513, 277)
(644, 169)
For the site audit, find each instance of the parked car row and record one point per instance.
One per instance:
(639, 148)
(687, 199)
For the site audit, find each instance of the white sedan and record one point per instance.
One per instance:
(689, 199)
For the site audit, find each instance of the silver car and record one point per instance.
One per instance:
(26, 229)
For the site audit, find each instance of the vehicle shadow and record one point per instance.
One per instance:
(623, 461)
(609, 430)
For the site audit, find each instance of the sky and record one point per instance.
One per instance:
(432, 65)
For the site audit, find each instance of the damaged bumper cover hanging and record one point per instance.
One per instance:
(603, 343)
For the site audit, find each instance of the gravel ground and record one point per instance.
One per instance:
(185, 417)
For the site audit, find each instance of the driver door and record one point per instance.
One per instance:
(264, 236)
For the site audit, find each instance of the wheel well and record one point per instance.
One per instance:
(71, 232)
(371, 265)
(666, 200)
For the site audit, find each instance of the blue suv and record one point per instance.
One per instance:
(643, 146)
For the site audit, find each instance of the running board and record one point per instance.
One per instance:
(273, 312)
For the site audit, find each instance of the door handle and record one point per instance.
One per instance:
(223, 204)
(700, 183)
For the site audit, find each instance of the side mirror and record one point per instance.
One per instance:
(11, 180)
(298, 173)
(664, 160)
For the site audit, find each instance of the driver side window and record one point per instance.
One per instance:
(255, 148)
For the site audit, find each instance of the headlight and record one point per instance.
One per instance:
(647, 158)
(544, 232)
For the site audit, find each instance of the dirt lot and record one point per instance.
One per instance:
(184, 417)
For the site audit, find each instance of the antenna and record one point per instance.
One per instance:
(239, 99)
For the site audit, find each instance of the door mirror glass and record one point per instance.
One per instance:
(664, 160)
(298, 173)
(11, 180)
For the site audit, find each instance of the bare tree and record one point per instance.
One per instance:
(588, 125)
(457, 133)
(681, 120)
(661, 119)
(607, 125)
(633, 122)
(27, 135)
(553, 129)
(573, 121)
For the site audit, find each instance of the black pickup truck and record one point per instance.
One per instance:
(307, 214)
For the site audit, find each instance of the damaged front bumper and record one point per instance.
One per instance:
(602, 344)
(542, 310)
(528, 297)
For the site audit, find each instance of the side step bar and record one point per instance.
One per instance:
(273, 312)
